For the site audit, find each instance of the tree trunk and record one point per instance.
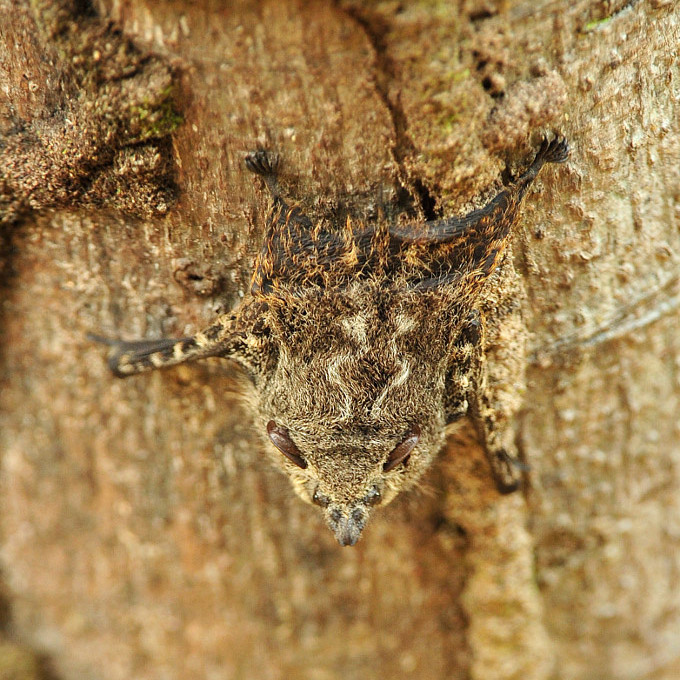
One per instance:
(143, 533)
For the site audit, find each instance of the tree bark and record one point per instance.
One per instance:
(143, 534)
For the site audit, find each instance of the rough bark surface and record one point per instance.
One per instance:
(142, 533)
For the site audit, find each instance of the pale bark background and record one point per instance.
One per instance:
(142, 533)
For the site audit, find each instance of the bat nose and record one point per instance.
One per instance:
(347, 523)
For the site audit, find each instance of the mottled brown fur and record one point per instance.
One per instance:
(365, 342)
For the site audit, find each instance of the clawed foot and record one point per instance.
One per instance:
(507, 471)
(553, 151)
(261, 162)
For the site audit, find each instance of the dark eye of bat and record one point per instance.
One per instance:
(279, 437)
(403, 450)
(319, 499)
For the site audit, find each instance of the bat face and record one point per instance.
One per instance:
(354, 407)
(363, 343)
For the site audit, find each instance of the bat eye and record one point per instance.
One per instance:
(403, 450)
(279, 437)
(373, 496)
(319, 499)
